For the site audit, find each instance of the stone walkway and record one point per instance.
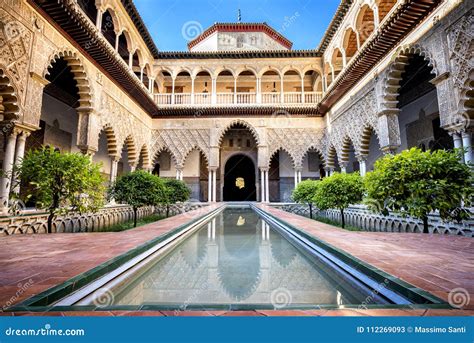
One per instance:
(435, 263)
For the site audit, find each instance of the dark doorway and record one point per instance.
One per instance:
(239, 179)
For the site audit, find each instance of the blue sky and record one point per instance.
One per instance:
(173, 22)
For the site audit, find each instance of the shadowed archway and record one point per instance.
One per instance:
(239, 179)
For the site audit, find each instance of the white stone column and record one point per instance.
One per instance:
(299, 176)
(19, 154)
(235, 90)
(467, 145)
(98, 21)
(303, 100)
(141, 73)
(117, 37)
(214, 91)
(173, 81)
(262, 185)
(267, 187)
(7, 168)
(362, 165)
(214, 186)
(296, 178)
(192, 90)
(114, 160)
(130, 59)
(282, 94)
(457, 140)
(209, 187)
(258, 90)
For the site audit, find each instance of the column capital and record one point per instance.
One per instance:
(361, 157)
(115, 158)
(87, 150)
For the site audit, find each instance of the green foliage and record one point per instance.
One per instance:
(305, 192)
(62, 182)
(416, 183)
(176, 191)
(339, 191)
(139, 189)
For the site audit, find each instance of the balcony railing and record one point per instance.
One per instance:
(271, 98)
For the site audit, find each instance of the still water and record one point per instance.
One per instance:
(236, 258)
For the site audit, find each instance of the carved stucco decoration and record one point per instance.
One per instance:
(180, 142)
(461, 49)
(296, 142)
(123, 123)
(15, 44)
(361, 116)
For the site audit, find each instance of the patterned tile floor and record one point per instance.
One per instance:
(436, 263)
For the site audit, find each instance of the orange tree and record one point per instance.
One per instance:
(417, 183)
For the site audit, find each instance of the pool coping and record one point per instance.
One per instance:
(38, 302)
(406, 289)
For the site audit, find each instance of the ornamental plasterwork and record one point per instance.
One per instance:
(123, 122)
(352, 123)
(15, 44)
(180, 142)
(461, 49)
(296, 142)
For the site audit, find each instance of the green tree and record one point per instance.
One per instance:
(176, 191)
(417, 183)
(339, 191)
(62, 182)
(138, 189)
(304, 194)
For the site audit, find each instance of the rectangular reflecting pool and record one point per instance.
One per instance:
(237, 258)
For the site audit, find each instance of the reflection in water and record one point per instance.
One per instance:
(236, 258)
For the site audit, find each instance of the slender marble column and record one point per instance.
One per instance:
(7, 168)
(467, 145)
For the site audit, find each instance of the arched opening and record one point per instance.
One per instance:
(164, 164)
(281, 176)
(196, 174)
(136, 63)
(59, 119)
(108, 27)
(348, 158)
(328, 74)
(238, 140)
(332, 160)
(107, 147)
(225, 87)
(124, 46)
(246, 87)
(419, 111)
(337, 62)
(370, 147)
(365, 24)
(350, 43)
(8, 99)
(313, 86)
(182, 88)
(128, 160)
(143, 159)
(384, 6)
(203, 87)
(271, 87)
(145, 76)
(313, 165)
(239, 179)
